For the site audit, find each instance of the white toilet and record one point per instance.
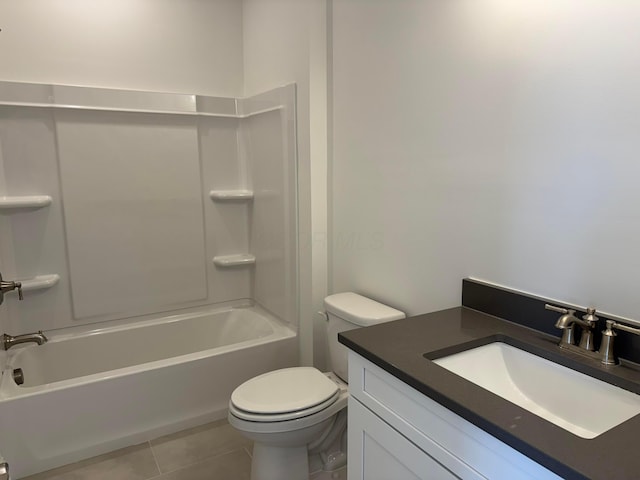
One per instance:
(297, 414)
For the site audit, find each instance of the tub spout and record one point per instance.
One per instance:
(9, 341)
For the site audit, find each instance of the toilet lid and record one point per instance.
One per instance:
(282, 417)
(283, 391)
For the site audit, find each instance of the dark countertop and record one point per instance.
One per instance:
(400, 348)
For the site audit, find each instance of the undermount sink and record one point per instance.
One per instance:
(583, 405)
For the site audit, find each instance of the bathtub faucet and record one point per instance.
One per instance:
(9, 341)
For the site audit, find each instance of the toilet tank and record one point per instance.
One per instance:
(346, 311)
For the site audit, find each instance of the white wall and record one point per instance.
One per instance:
(190, 46)
(285, 41)
(488, 138)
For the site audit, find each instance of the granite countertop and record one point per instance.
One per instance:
(400, 347)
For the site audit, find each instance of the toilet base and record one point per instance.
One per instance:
(277, 463)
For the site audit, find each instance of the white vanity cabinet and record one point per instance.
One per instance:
(378, 452)
(397, 433)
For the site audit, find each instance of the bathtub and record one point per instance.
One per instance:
(88, 393)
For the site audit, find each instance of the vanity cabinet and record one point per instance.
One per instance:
(381, 453)
(396, 432)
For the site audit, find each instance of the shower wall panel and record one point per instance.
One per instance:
(133, 211)
(227, 224)
(32, 241)
(270, 150)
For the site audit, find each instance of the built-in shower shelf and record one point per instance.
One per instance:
(40, 282)
(234, 260)
(27, 201)
(231, 195)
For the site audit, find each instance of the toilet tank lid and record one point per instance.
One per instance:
(360, 310)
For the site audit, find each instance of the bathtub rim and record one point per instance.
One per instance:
(59, 334)
(10, 391)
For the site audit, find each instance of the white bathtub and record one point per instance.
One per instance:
(89, 393)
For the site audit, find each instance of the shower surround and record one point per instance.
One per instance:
(156, 205)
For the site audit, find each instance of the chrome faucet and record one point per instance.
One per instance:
(9, 341)
(9, 286)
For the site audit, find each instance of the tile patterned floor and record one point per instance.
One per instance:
(210, 452)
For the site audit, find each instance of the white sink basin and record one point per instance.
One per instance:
(576, 402)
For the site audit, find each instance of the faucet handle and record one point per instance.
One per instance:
(553, 308)
(9, 286)
(607, 354)
(4, 471)
(590, 316)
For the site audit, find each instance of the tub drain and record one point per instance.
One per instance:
(18, 376)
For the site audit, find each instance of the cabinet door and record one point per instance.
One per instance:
(378, 452)
(461, 447)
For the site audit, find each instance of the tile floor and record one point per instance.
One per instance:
(210, 452)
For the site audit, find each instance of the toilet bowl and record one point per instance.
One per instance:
(297, 416)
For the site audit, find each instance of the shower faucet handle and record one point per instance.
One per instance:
(9, 286)
(4, 471)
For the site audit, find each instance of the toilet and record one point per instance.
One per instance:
(297, 417)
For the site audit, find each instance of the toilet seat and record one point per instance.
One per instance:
(291, 421)
(286, 393)
(281, 417)
(264, 426)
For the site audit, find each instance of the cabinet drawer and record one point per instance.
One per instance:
(460, 446)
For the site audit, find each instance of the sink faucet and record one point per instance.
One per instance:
(8, 286)
(566, 323)
(9, 341)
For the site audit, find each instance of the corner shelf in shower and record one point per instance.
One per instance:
(237, 260)
(27, 201)
(231, 195)
(40, 282)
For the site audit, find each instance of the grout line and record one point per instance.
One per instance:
(155, 459)
(211, 426)
(246, 449)
(197, 462)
